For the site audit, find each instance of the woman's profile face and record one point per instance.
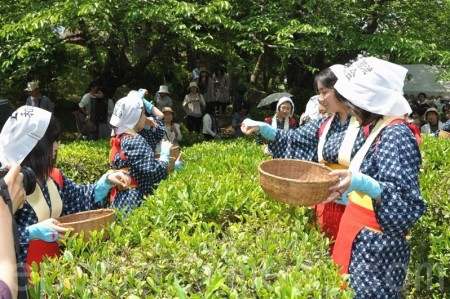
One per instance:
(141, 122)
(328, 99)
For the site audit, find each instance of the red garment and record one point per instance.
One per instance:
(293, 123)
(38, 249)
(328, 217)
(116, 149)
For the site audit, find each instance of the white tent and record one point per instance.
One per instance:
(422, 78)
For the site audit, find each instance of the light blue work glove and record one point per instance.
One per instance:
(165, 151)
(178, 165)
(365, 184)
(148, 106)
(101, 189)
(46, 230)
(266, 130)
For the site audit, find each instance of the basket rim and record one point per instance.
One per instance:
(111, 212)
(261, 171)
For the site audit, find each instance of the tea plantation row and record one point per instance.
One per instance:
(210, 232)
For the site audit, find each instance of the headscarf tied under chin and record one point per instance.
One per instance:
(286, 120)
(21, 132)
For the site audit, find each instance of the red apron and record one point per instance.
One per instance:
(358, 215)
(116, 149)
(38, 249)
(328, 215)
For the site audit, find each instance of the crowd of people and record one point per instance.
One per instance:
(359, 124)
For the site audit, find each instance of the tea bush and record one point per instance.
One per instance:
(207, 232)
(429, 275)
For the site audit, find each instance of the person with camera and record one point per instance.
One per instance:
(30, 137)
(12, 195)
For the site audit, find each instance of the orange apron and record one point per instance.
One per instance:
(358, 215)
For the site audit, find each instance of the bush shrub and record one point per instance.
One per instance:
(429, 275)
(208, 231)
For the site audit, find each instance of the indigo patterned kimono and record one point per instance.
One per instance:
(142, 165)
(75, 198)
(379, 260)
(302, 143)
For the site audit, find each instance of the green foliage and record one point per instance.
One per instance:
(207, 232)
(84, 161)
(429, 275)
(142, 44)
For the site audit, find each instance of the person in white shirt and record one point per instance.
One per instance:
(192, 105)
(209, 129)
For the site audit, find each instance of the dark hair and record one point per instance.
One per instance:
(365, 116)
(209, 109)
(326, 77)
(40, 159)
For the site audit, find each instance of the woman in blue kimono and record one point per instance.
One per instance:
(332, 141)
(133, 150)
(29, 137)
(384, 199)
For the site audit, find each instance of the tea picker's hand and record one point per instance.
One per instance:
(119, 178)
(345, 177)
(250, 126)
(47, 230)
(357, 181)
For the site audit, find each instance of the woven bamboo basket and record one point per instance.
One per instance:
(87, 221)
(295, 182)
(444, 135)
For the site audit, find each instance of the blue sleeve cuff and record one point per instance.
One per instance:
(148, 105)
(102, 188)
(365, 184)
(267, 131)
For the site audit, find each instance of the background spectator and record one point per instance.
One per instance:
(237, 119)
(193, 104)
(221, 90)
(433, 124)
(173, 132)
(206, 86)
(163, 98)
(209, 129)
(95, 112)
(36, 99)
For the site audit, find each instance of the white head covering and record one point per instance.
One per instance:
(127, 112)
(312, 109)
(21, 132)
(374, 85)
(286, 120)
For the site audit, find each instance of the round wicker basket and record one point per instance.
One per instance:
(444, 135)
(295, 182)
(87, 221)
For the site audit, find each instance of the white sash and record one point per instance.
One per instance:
(361, 154)
(345, 151)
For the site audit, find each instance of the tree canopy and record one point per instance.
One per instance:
(65, 43)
